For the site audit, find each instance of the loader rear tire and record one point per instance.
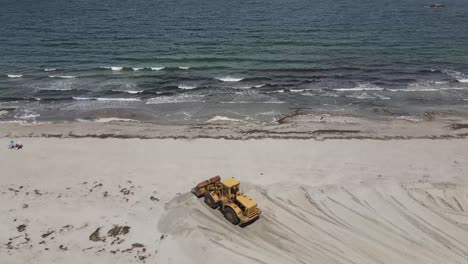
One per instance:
(210, 201)
(231, 216)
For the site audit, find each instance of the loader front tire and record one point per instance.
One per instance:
(210, 201)
(231, 216)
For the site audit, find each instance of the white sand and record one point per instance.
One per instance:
(337, 201)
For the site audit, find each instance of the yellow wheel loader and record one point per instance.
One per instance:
(237, 207)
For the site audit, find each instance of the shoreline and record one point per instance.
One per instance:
(296, 125)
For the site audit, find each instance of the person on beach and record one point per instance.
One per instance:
(12, 145)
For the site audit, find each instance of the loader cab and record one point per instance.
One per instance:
(230, 188)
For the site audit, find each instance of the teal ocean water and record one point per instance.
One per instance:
(193, 60)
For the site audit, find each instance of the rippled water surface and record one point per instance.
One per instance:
(191, 59)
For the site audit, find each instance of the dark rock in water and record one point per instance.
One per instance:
(437, 5)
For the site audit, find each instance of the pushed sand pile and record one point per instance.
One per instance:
(423, 223)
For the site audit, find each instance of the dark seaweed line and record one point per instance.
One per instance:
(240, 137)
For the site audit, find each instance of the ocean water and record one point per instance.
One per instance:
(203, 59)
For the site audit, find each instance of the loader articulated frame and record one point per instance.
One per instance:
(237, 207)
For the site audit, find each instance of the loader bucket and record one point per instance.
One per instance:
(203, 186)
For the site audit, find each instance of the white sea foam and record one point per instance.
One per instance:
(364, 95)
(113, 68)
(459, 76)
(128, 91)
(184, 68)
(223, 118)
(359, 89)
(137, 69)
(183, 98)
(242, 87)
(27, 115)
(249, 86)
(55, 89)
(453, 88)
(108, 99)
(83, 98)
(14, 75)
(410, 118)
(114, 119)
(382, 97)
(134, 92)
(157, 68)
(296, 90)
(119, 99)
(273, 102)
(62, 76)
(237, 102)
(270, 113)
(50, 69)
(314, 94)
(187, 87)
(229, 79)
(415, 90)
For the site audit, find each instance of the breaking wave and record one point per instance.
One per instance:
(113, 68)
(128, 91)
(183, 98)
(229, 79)
(187, 87)
(55, 89)
(361, 87)
(223, 118)
(460, 77)
(107, 99)
(14, 75)
(63, 77)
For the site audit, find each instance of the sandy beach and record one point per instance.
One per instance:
(127, 200)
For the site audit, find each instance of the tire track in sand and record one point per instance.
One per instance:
(330, 224)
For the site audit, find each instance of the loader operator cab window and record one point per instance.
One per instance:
(234, 190)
